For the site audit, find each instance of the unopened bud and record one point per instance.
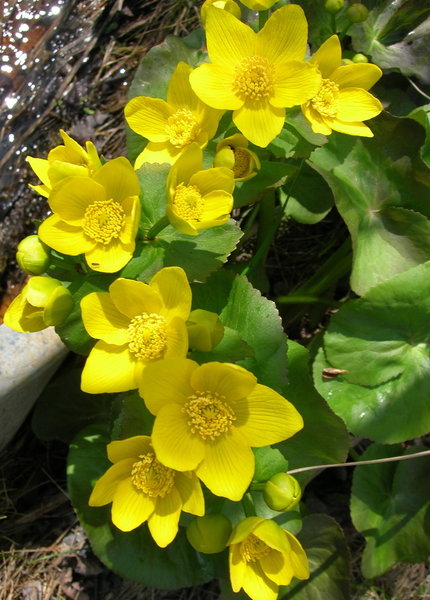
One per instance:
(205, 330)
(357, 13)
(360, 58)
(334, 6)
(282, 492)
(32, 255)
(209, 534)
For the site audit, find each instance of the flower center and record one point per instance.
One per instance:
(242, 161)
(103, 221)
(147, 336)
(252, 548)
(208, 414)
(325, 102)
(254, 78)
(188, 202)
(182, 128)
(149, 476)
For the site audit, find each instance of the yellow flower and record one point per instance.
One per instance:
(97, 216)
(259, 4)
(342, 101)
(136, 323)
(257, 75)
(171, 126)
(42, 302)
(196, 198)
(263, 556)
(142, 489)
(209, 416)
(228, 5)
(233, 153)
(64, 161)
(205, 330)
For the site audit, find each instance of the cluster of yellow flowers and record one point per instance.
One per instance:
(209, 416)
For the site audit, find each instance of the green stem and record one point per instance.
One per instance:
(354, 454)
(333, 23)
(263, 15)
(257, 486)
(306, 299)
(155, 229)
(248, 505)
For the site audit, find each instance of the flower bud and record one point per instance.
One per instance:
(205, 330)
(357, 13)
(334, 6)
(233, 153)
(282, 492)
(360, 58)
(32, 255)
(43, 302)
(228, 5)
(209, 534)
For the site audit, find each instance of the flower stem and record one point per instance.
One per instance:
(263, 15)
(248, 505)
(155, 229)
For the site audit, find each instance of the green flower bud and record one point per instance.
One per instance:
(360, 58)
(334, 6)
(357, 13)
(282, 492)
(209, 534)
(205, 330)
(32, 255)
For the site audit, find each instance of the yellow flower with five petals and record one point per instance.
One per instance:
(67, 160)
(208, 417)
(257, 75)
(97, 216)
(264, 556)
(142, 489)
(136, 323)
(171, 126)
(342, 101)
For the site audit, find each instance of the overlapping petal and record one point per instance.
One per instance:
(167, 381)
(129, 447)
(163, 523)
(171, 284)
(328, 57)
(284, 36)
(102, 319)
(65, 238)
(214, 85)
(105, 488)
(296, 83)
(228, 380)
(118, 178)
(361, 75)
(228, 39)
(129, 507)
(147, 117)
(108, 368)
(133, 298)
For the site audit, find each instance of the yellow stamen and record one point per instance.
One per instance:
(208, 414)
(182, 128)
(103, 221)
(252, 548)
(254, 78)
(242, 160)
(188, 202)
(147, 336)
(326, 100)
(149, 476)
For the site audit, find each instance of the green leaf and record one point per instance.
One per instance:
(388, 177)
(132, 555)
(390, 505)
(270, 176)
(152, 179)
(327, 551)
(324, 438)
(395, 35)
(133, 417)
(310, 198)
(382, 341)
(256, 319)
(151, 80)
(268, 462)
(422, 116)
(231, 348)
(72, 330)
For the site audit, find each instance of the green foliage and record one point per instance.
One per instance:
(390, 506)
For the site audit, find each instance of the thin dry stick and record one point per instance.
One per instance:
(362, 462)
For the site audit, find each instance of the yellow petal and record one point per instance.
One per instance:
(277, 568)
(216, 208)
(43, 190)
(237, 567)
(209, 180)
(228, 465)
(272, 535)
(118, 178)
(108, 258)
(265, 417)
(284, 36)
(21, 316)
(351, 128)
(183, 226)
(257, 585)
(357, 105)
(295, 83)
(148, 117)
(177, 339)
(191, 493)
(315, 120)
(105, 487)
(134, 298)
(179, 92)
(363, 75)
(108, 369)
(163, 523)
(72, 196)
(243, 529)
(75, 153)
(128, 448)
(174, 444)
(158, 152)
(63, 237)
(228, 39)
(297, 557)
(187, 164)
(228, 380)
(260, 122)
(127, 235)
(328, 56)
(166, 381)
(213, 84)
(40, 166)
(102, 320)
(172, 285)
(130, 508)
